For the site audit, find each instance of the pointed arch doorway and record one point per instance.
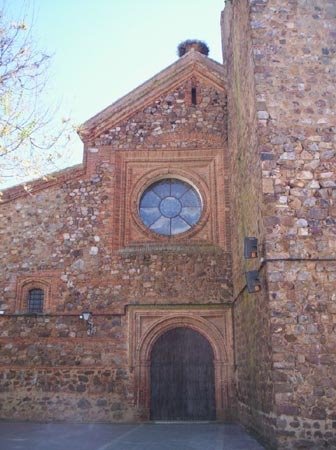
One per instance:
(182, 377)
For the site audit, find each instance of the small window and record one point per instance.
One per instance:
(35, 300)
(193, 96)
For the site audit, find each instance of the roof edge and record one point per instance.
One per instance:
(192, 58)
(31, 187)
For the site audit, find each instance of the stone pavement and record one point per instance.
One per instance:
(172, 436)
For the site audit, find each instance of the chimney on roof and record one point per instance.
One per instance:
(199, 46)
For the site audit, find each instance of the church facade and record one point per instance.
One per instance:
(186, 270)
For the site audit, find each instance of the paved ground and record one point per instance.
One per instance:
(172, 436)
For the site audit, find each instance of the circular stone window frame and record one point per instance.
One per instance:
(153, 177)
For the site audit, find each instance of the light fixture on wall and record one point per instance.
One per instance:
(85, 315)
(250, 247)
(253, 281)
(2, 312)
(88, 318)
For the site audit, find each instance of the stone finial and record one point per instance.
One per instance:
(185, 46)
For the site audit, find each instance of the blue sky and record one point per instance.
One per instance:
(102, 49)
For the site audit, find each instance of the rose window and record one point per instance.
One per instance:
(169, 207)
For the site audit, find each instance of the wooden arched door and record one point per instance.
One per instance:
(182, 377)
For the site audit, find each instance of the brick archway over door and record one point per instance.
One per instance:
(146, 325)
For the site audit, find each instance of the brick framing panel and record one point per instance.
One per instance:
(45, 280)
(148, 323)
(135, 171)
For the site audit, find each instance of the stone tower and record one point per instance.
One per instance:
(280, 60)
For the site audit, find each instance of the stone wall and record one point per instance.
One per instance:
(253, 362)
(293, 48)
(48, 360)
(88, 394)
(244, 157)
(78, 237)
(172, 121)
(63, 236)
(302, 300)
(251, 313)
(294, 52)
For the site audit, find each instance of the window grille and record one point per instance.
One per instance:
(35, 300)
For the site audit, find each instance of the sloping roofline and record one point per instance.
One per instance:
(191, 62)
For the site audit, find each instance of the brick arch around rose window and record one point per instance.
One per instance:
(146, 326)
(204, 170)
(189, 177)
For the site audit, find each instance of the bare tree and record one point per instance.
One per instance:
(28, 136)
